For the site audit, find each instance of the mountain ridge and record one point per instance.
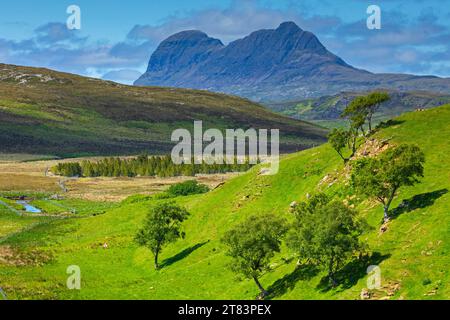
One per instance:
(269, 65)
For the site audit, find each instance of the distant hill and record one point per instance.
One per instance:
(327, 110)
(46, 112)
(268, 65)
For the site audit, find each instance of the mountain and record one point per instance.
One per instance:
(44, 112)
(413, 253)
(268, 65)
(327, 110)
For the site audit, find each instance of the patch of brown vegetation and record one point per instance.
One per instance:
(33, 177)
(13, 257)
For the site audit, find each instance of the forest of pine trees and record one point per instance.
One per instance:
(144, 166)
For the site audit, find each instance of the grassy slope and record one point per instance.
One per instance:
(414, 251)
(51, 113)
(325, 111)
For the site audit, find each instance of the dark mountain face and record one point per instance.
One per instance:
(281, 64)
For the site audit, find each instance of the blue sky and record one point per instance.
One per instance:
(118, 37)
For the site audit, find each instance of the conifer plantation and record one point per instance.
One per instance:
(144, 166)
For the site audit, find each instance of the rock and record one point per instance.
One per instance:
(384, 227)
(365, 294)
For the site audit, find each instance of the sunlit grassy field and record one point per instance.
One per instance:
(413, 253)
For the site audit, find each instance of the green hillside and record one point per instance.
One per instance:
(413, 253)
(326, 111)
(45, 112)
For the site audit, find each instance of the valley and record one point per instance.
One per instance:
(413, 253)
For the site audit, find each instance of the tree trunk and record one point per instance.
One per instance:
(342, 157)
(331, 273)
(370, 123)
(355, 137)
(388, 205)
(156, 260)
(386, 213)
(263, 291)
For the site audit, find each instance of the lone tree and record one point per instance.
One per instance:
(341, 140)
(253, 243)
(326, 233)
(382, 177)
(357, 112)
(162, 226)
(374, 101)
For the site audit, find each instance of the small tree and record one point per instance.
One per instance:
(382, 177)
(187, 188)
(374, 101)
(338, 139)
(357, 112)
(341, 139)
(326, 233)
(162, 226)
(253, 243)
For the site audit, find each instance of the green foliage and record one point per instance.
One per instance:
(136, 198)
(326, 233)
(374, 101)
(161, 227)
(359, 112)
(382, 177)
(68, 169)
(338, 139)
(144, 166)
(253, 243)
(187, 188)
(362, 109)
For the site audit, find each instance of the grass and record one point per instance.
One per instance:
(325, 111)
(413, 253)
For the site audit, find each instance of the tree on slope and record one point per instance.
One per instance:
(382, 177)
(374, 101)
(326, 233)
(161, 227)
(357, 112)
(253, 243)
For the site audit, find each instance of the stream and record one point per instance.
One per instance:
(28, 207)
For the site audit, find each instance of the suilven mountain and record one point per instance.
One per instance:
(268, 65)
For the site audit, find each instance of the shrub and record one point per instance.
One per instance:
(187, 188)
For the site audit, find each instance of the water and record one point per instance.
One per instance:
(28, 207)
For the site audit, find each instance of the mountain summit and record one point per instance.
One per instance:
(276, 64)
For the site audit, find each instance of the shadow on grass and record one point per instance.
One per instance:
(389, 123)
(183, 254)
(349, 275)
(419, 201)
(288, 282)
